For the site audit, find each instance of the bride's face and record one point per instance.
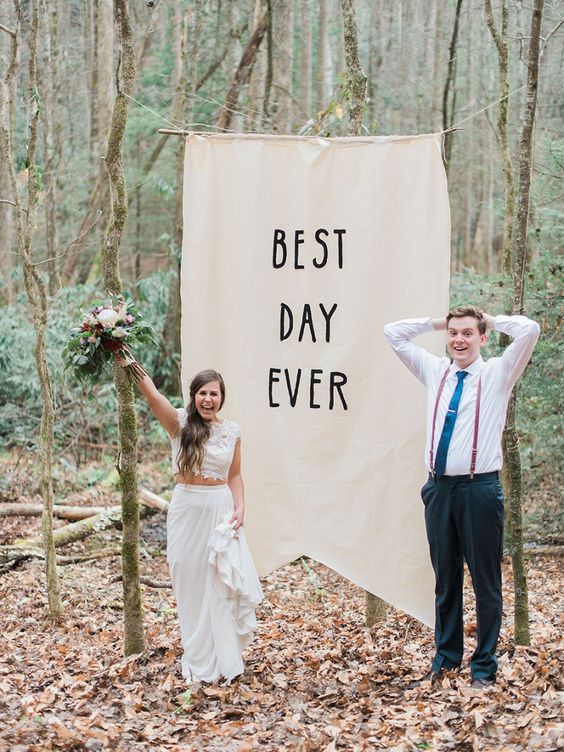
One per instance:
(208, 400)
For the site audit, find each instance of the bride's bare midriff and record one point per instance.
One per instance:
(198, 480)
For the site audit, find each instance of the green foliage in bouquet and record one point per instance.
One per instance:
(108, 328)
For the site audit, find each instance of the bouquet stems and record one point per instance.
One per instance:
(134, 371)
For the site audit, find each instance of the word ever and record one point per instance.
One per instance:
(287, 321)
(337, 380)
(280, 249)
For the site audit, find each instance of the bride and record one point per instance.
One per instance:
(213, 575)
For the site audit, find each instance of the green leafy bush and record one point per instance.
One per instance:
(83, 414)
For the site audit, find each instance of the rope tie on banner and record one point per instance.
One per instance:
(178, 131)
(479, 112)
(153, 112)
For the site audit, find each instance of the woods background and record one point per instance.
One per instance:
(430, 65)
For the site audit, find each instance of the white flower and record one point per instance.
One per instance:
(108, 317)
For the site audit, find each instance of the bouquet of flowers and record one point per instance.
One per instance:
(108, 329)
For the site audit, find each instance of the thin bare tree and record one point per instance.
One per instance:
(514, 472)
(449, 90)
(376, 610)
(34, 284)
(501, 39)
(243, 72)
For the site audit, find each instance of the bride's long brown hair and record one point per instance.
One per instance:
(194, 435)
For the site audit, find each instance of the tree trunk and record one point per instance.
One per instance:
(374, 62)
(356, 79)
(35, 289)
(171, 334)
(242, 74)
(256, 88)
(522, 632)
(102, 114)
(323, 74)
(7, 199)
(437, 67)
(468, 257)
(127, 423)
(52, 138)
(282, 64)
(232, 59)
(488, 233)
(375, 607)
(449, 91)
(305, 62)
(501, 42)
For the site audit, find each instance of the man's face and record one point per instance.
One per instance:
(464, 340)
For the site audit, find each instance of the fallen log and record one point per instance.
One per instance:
(150, 499)
(74, 531)
(74, 513)
(59, 510)
(557, 551)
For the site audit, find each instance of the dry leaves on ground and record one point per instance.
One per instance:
(316, 680)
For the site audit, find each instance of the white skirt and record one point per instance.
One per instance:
(214, 581)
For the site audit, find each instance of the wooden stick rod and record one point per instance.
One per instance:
(277, 137)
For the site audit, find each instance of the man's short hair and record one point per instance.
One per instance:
(468, 310)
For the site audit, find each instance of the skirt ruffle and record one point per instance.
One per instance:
(235, 571)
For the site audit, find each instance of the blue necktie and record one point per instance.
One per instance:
(448, 428)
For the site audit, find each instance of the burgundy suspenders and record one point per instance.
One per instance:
(439, 392)
(476, 426)
(476, 423)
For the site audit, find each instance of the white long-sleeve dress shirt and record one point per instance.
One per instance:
(498, 378)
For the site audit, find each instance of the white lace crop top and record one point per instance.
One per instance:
(218, 452)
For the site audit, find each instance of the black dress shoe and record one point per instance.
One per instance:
(482, 683)
(433, 676)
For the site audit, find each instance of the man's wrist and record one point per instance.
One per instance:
(439, 324)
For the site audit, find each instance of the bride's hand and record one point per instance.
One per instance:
(237, 519)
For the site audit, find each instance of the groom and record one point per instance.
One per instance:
(466, 404)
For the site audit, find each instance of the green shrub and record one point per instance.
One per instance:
(82, 415)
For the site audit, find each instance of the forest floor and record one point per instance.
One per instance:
(316, 679)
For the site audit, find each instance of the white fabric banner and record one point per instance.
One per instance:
(296, 252)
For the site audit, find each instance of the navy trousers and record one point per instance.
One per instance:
(464, 521)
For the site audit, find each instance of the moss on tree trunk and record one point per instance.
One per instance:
(133, 611)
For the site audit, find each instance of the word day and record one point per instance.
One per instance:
(307, 321)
